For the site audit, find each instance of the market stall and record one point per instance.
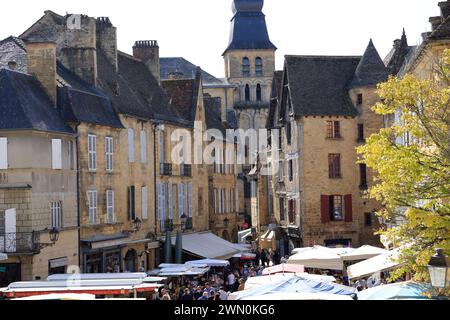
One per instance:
(377, 264)
(263, 280)
(363, 253)
(318, 258)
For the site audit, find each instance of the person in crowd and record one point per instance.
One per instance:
(223, 294)
(187, 296)
(284, 259)
(198, 292)
(212, 295)
(204, 296)
(276, 258)
(258, 257)
(217, 297)
(230, 281)
(241, 285)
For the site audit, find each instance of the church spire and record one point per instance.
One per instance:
(248, 26)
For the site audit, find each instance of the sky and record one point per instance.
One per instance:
(198, 30)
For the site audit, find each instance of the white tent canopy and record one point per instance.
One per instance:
(209, 263)
(363, 253)
(263, 280)
(318, 257)
(3, 256)
(298, 296)
(374, 265)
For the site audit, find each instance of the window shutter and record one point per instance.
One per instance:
(325, 208)
(180, 200)
(190, 199)
(169, 200)
(215, 201)
(131, 145)
(56, 154)
(158, 201)
(161, 148)
(348, 208)
(143, 147)
(144, 198)
(163, 201)
(10, 229)
(3, 153)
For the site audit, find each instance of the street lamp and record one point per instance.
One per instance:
(137, 224)
(439, 269)
(183, 221)
(54, 235)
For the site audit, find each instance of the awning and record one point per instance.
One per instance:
(210, 246)
(243, 235)
(56, 263)
(284, 268)
(209, 263)
(363, 253)
(179, 270)
(3, 256)
(374, 265)
(319, 258)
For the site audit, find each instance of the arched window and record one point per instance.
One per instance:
(258, 93)
(258, 66)
(245, 67)
(247, 93)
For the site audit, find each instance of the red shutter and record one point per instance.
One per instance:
(325, 207)
(348, 208)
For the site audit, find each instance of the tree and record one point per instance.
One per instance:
(412, 161)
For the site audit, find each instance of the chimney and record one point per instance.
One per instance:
(445, 9)
(42, 64)
(79, 50)
(107, 39)
(435, 22)
(148, 52)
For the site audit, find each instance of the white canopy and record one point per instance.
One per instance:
(242, 235)
(263, 280)
(209, 263)
(318, 257)
(210, 246)
(363, 253)
(376, 264)
(3, 256)
(299, 296)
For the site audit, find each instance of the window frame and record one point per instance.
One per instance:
(109, 154)
(57, 154)
(335, 165)
(245, 67)
(110, 206)
(333, 208)
(259, 67)
(56, 215)
(93, 207)
(92, 152)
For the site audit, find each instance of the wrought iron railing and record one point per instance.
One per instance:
(186, 170)
(166, 169)
(18, 242)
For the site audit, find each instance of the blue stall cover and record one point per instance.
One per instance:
(295, 285)
(397, 291)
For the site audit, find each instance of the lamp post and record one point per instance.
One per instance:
(53, 236)
(137, 223)
(439, 270)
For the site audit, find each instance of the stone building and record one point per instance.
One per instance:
(322, 111)
(38, 171)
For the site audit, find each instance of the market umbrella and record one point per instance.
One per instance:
(380, 263)
(209, 263)
(298, 296)
(396, 291)
(363, 253)
(319, 258)
(168, 248)
(284, 268)
(179, 248)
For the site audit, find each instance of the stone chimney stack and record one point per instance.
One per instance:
(435, 22)
(148, 52)
(445, 9)
(107, 39)
(42, 64)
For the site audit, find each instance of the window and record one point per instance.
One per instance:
(232, 201)
(258, 93)
(289, 131)
(282, 209)
(71, 154)
(254, 189)
(258, 67)
(169, 200)
(334, 164)
(92, 203)
(56, 154)
(181, 199)
(55, 214)
(363, 176)
(144, 203)
(162, 152)
(237, 200)
(131, 203)
(160, 200)
(292, 211)
(92, 152)
(110, 211)
(333, 129)
(247, 93)
(3, 153)
(361, 137)
(109, 154)
(131, 155)
(189, 188)
(245, 67)
(368, 219)
(281, 171)
(143, 146)
(359, 99)
(336, 208)
(291, 170)
(216, 202)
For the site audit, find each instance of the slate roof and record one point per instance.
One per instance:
(318, 85)
(396, 57)
(213, 114)
(25, 105)
(371, 69)
(274, 97)
(181, 94)
(186, 70)
(232, 119)
(248, 27)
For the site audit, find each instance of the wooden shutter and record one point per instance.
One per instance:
(3, 153)
(348, 208)
(158, 200)
(56, 154)
(131, 145)
(143, 147)
(144, 203)
(190, 199)
(180, 200)
(169, 200)
(325, 208)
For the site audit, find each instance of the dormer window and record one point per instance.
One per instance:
(258, 67)
(246, 67)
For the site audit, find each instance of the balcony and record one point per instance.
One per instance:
(18, 243)
(186, 170)
(166, 169)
